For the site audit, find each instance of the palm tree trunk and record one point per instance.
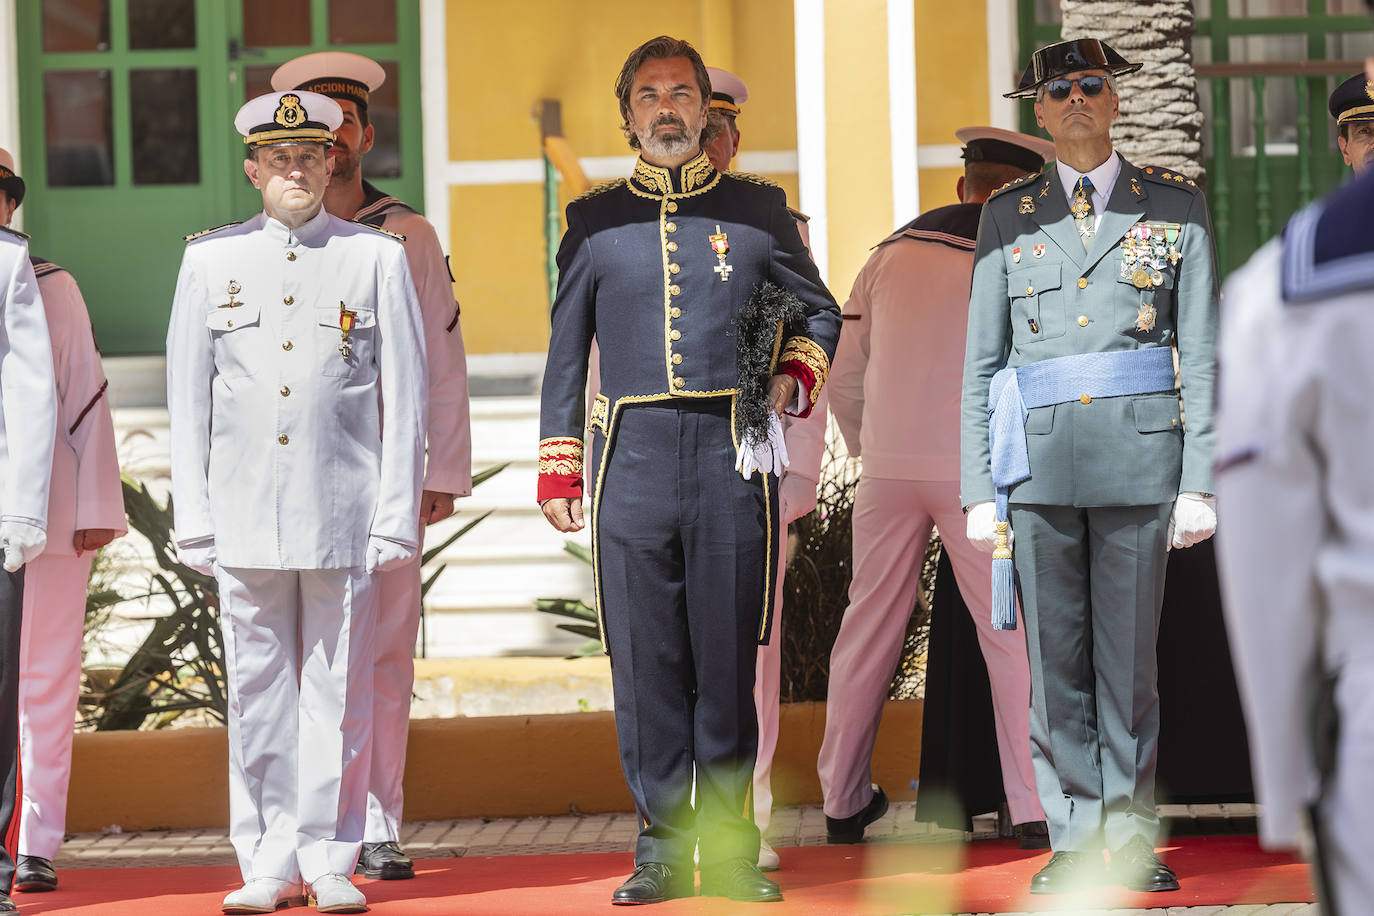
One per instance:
(1161, 117)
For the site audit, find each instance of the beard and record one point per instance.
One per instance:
(667, 144)
(346, 165)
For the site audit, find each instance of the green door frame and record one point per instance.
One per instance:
(123, 241)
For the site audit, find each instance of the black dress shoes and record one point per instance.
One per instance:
(1067, 872)
(385, 861)
(33, 873)
(1033, 835)
(654, 882)
(741, 880)
(851, 829)
(6, 904)
(1136, 866)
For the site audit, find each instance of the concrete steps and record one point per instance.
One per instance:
(483, 603)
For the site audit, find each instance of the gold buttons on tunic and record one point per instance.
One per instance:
(285, 390)
(672, 206)
(289, 300)
(675, 312)
(676, 334)
(677, 359)
(671, 227)
(1174, 421)
(286, 345)
(1085, 399)
(678, 383)
(673, 268)
(290, 256)
(1082, 282)
(1082, 321)
(229, 324)
(1030, 290)
(674, 289)
(283, 439)
(672, 246)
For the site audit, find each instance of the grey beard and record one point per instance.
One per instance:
(666, 147)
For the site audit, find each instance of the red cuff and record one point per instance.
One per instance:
(805, 377)
(559, 486)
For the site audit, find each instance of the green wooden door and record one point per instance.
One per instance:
(126, 117)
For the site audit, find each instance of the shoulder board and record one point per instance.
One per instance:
(753, 179)
(798, 215)
(601, 187)
(15, 232)
(395, 235)
(42, 268)
(204, 232)
(1024, 179)
(1166, 176)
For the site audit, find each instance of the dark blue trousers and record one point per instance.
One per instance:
(11, 615)
(684, 575)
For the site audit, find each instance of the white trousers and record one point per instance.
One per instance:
(393, 681)
(892, 525)
(1348, 807)
(49, 682)
(298, 648)
(767, 697)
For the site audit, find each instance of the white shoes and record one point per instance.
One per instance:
(336, 894)
(264, 895)
(768, 858)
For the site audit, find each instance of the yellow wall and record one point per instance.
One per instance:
(500, 65)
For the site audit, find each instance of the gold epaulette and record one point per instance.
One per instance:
(1030, 176)
(752, 178)
(204, 232)
(16, 233)
(395, 235)
(601, 187)
(1166, 176)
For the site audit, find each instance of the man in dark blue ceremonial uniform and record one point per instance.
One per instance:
(712, 320)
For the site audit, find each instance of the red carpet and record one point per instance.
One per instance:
(880, 879)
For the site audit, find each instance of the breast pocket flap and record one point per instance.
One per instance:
(231, 319)
(1031, 281)
(329, 316)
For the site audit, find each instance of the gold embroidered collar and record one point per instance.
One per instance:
(688, 177)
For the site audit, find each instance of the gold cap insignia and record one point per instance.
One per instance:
(289, 113)
(1369, 88)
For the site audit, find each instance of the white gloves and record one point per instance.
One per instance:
(768, 455)
(384, 554)
(1193, 520)
(199, 554)
(982, 527)
(23, 543)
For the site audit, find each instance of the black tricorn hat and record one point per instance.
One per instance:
(1071, 56)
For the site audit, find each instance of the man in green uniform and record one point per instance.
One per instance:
(1089, 277)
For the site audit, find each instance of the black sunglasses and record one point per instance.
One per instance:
(1089, 85)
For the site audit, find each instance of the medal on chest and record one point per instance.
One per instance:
(1145, 317)
(721, 246)
(347, 319)
(233, 289)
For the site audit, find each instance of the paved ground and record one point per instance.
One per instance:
(804, 826)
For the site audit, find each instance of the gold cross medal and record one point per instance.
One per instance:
(232, 289)
(1145, 317)
(346, 321)
(1080, 205)
(721, 246)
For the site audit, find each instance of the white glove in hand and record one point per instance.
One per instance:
(770, 454)
(23, 543)
(982, 527)
(198, 554)
(384, 554)
(1193, 520)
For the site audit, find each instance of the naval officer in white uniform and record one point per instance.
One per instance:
(85, 512)
(28, 411)
(289, 334)
(350, 80)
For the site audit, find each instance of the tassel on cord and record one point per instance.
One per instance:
(1003, 582)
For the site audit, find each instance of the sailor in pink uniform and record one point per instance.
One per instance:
(85, 512)
(895, 393)
(350, 79)
(805, 441)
